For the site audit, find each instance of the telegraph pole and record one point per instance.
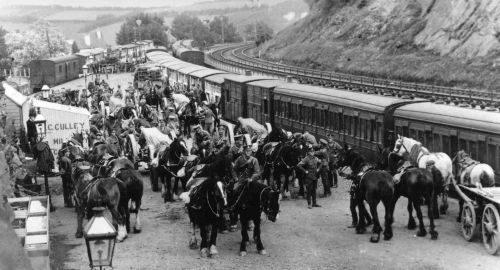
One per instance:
(222, 27)
(48, 41)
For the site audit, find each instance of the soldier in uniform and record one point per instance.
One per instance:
(310, 166)
(220, 139)
(322, 154)
(246, 168)
(333, 148)
(67, 183)
(202, 139)
(237, 149)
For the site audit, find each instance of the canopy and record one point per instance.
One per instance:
(251, 126)
(155, 137)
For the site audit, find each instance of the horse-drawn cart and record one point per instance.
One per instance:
(481, 208)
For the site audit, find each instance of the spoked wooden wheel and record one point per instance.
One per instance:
(469, 221)
(491, 229)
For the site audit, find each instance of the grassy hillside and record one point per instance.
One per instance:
(391, 39)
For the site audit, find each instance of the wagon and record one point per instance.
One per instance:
(481, 209)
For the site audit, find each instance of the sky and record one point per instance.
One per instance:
(102, 3)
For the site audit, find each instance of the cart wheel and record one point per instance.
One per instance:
(491, 229)
(469, 221)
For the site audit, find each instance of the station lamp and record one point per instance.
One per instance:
(85, 69)
(100, 238)
(41, 125)
(45, 92)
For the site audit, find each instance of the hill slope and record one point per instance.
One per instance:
(450, 42)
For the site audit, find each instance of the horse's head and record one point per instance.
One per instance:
(345, 157)
(270, 203)
(384, 156)
(401, 145)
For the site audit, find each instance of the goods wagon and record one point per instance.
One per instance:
(55, 71)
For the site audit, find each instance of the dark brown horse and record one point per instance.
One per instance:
(92, 192)
(372, 185)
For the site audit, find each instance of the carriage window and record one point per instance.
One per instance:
(346, 124)
(463, 145)
(446, 144)
(413, 134)
(380, 132)
(371, 130)
(492, 156)
(74, 65)
(326, 119)
(473, 149)
(428, 140)
(60, 68)
(264, 104)
(354, 128)
(289, 110)
(481, 152)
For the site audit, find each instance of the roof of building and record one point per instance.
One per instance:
(12, 94)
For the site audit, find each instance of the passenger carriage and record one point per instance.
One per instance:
(235, 95)
(364, 121)
(55, 71)
(448, 129)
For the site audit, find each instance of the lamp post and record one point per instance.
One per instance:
(85, 69)
(41, 127)
(100, 238)
(139, 22)
(45, 92)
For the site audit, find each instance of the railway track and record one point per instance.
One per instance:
(235, 58)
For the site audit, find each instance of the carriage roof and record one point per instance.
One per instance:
(177, 65)
(244, 78)
(266, 83)
(216, 78)
(442, 114)
(206, 72)
(189, 69)
(374, 103)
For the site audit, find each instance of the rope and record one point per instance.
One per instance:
(210, 206)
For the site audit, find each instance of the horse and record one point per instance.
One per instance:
(275, 139)
(373, 186)
(285, 161)
(206, 202)
(255, 198)
(91, 192)
(471, 173)
(418, 155)
(99, 150)
(416, 183)
(170, 162)
(123, 169)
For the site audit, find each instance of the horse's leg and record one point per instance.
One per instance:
(460, 209)
(444, 199)
(137, 224)
(411, 221)
(361, 226)
(213, 240)
(204, 241)
(435, 208)
(286, 183)
(376, 223)
(389, 218)
(256, 237)
(79, 221)
(193, 242)
(421, 228)
(244, 235)
(122, 232)
(430, 210)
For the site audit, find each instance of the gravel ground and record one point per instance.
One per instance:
(301, 239)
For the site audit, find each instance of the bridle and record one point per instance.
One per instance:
(398, 147)
(265, 207)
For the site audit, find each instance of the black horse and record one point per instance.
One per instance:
(254, 199)
(373, 186)
(416, 184)
(285, 161)
(207, 201)
(123, 169)
(170, 162)
(90, 191)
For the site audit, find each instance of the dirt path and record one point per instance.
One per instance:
(301, 239)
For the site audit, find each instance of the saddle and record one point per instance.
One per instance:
(401, 170)
(269, 148)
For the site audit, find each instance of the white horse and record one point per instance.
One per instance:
(419, 155)
(472, 173)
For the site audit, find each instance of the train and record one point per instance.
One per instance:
(57, 70)
(184, 50)
(364, 121)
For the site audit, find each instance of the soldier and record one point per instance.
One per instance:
(322, 154)
(220, 139)
(309, 165)
(202, 138)
(209, 118)
(113, 139)
(246, 168)
(237, 149)
(333, 148)
(67, 183)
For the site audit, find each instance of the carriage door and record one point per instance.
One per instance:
(66, 76)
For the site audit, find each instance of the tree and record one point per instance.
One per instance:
(258, 32)
(74, 48)
(40, 41)
(185, 26)
(150, 28)
(3, 46)
(224, 31)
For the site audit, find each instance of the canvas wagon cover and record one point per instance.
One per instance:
(251, 126)
(155, 137)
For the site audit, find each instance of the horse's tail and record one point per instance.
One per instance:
(487, 177)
